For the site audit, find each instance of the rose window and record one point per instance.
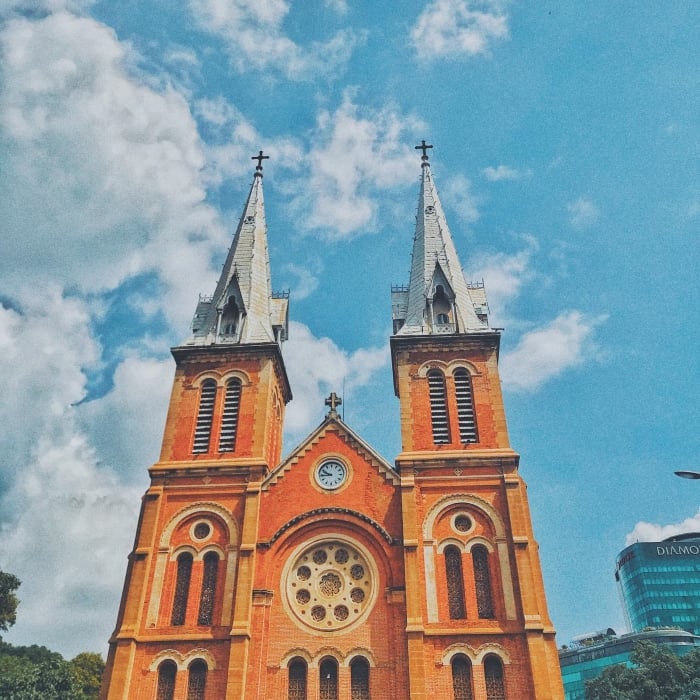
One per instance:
(329, 585)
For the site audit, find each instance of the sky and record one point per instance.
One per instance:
(566, 147)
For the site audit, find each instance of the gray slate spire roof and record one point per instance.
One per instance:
(437, 300)
(243, 309)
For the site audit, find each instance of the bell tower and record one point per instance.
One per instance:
(190, 576)
(474, 593)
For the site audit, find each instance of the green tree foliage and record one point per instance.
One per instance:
(8, 600)
(35, 673)
(657, 674)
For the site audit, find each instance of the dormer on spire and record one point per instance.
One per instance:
(437, 300)
(243, 309)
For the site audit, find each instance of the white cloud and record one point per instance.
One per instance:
(454, 28)
(38, 8)
(504, 172)
(66, 523)
(101, 174)
(356, 155)
(331, 369)
(652, 532)
(307, 279)
(252, 31)
(582, 213)
(504, 276)
(546, 352)
(457, 192)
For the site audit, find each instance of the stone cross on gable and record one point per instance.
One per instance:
(333, 400)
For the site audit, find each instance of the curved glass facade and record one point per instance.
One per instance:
(660, 583)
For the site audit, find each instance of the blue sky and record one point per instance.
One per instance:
(566, 155)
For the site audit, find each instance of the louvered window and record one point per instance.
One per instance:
(465, 407)
(438, 407)
(206, 601)
(359, 680)
(202, 430)
(229, 420)
(495, 686)
(182, 588)
(329, 680)
(455, 583)
(297, 680)
(462, 678)
(166, 681)
(197, 680)
(482, 582)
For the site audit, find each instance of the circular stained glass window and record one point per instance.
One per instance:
(329, 585)
(462, 523)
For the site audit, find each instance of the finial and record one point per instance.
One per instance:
(333, 400)
(260, 158)
(424, 147)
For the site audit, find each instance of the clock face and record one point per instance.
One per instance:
(331, 474)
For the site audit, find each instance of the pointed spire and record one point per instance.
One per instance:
(437, 299)
(243, 308)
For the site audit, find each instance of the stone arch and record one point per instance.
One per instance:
(461, 364)
(239, 374)
(479, 540)
(458, 648)
(443, 544)
(492, 649)
(167, 655)
(366, 654)
(296, 653)
(209, 374)
(199, 654)
(200, 507)
(463, 499)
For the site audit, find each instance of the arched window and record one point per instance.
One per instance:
(202, 430)
(359, 679)
(229, 419)
(455, 583)
(438, 407)
(465, 407)
(329, 680)
(206, 601)
(462, 678)
(197, 680)
(297, 680)
(493, 672)
(182, 588)
(166, 680)
(482, 582)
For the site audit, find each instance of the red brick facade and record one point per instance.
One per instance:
(266, 520)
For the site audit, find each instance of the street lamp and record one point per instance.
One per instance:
(687, 474)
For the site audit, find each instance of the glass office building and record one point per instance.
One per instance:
(659, 583)
(588, 657)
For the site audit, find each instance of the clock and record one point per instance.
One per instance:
(331, 474)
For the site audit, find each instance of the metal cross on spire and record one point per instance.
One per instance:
(260, 158)
(333, 400)
(424, 147)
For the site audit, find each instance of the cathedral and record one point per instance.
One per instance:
(331, 573)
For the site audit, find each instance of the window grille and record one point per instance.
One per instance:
(197, 680)
(455, 583)
(202, 430)
(297, 681)
(206, 602)
(462, 678)
(493, 671)
(482, 582)
(465, 407)
(329, 680)
(438, 407)
(359, 680)
(166, 681)
(182, 588)
(229, 420)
